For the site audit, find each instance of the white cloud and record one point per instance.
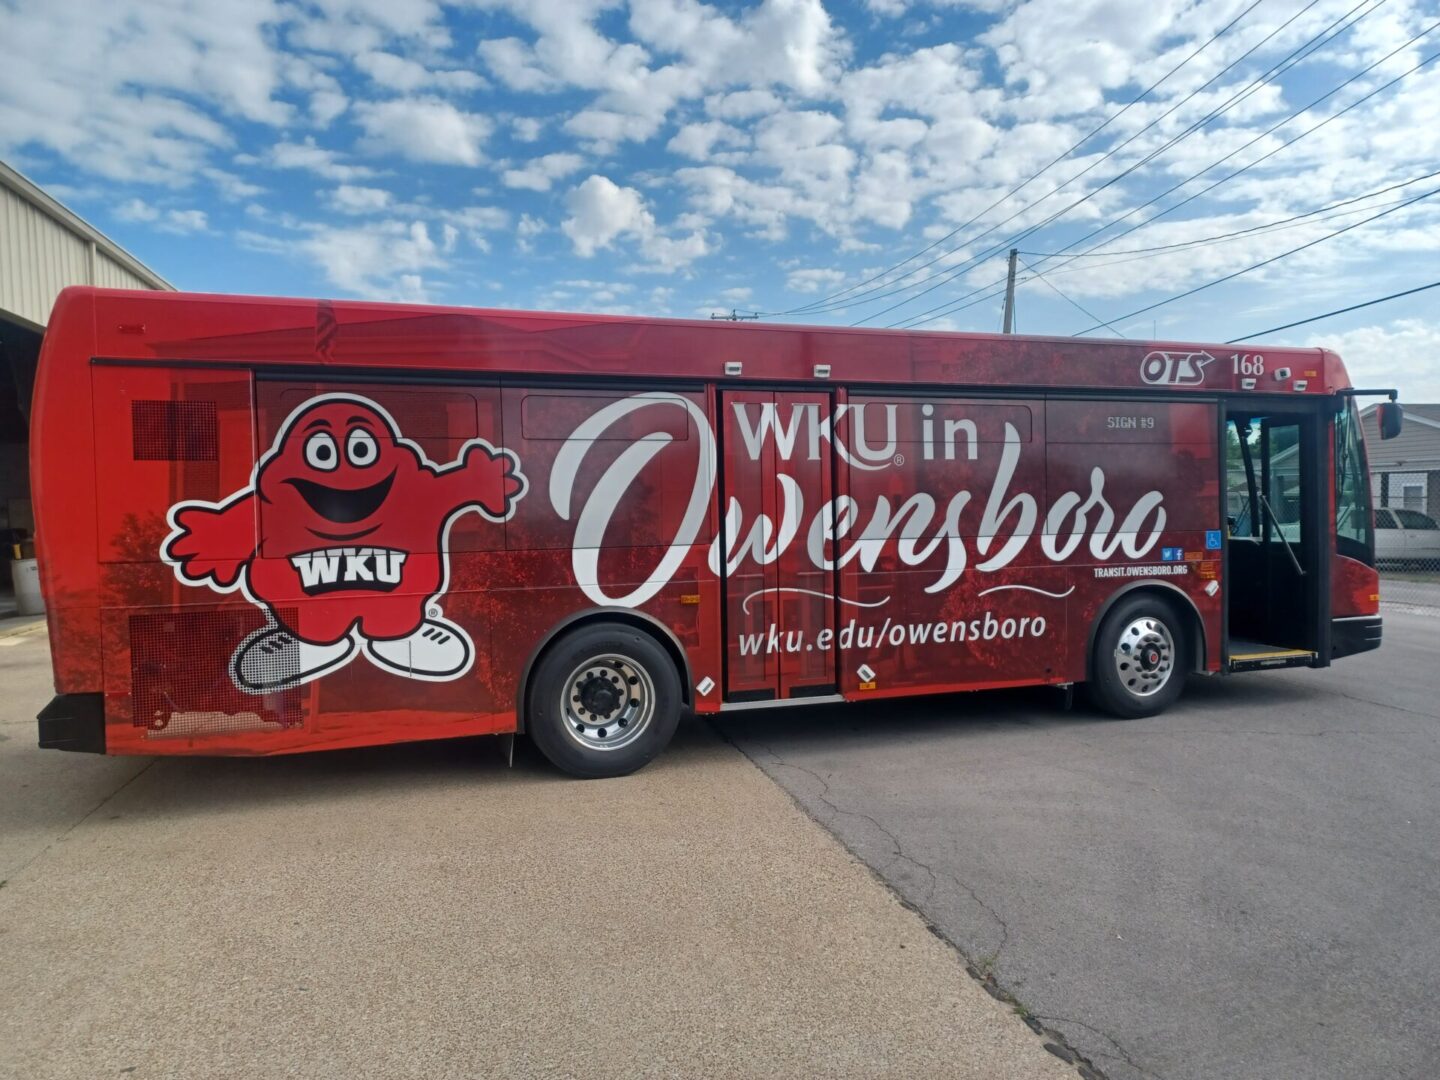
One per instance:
(477, 222)
(326, 105)
(355, 199)
(1402, 354)
(133, 91)
(526, 230)
(742, 104)
(136, 210)
(605, 128)
(424, 129)
(405, 75)
(166, 220)
(814, 279)
(601, 212)
(311, 157)
(539, 174)
(527, 129)
(230, 186)
(382, 261)
(513, 62)
(785, 43)
(185, 221)
(698, 141)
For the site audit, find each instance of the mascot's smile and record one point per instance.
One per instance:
(345, 506)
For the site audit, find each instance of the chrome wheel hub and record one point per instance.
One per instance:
(608, 701)
(1145, 656)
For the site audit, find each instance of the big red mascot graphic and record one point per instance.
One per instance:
(353, 523)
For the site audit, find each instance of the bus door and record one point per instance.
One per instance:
(777, 472)
(1278, 572)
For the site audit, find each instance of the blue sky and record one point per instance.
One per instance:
(669, 157)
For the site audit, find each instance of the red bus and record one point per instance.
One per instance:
(275, 525)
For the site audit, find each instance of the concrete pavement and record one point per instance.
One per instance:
(423, 911)
(1247, 886)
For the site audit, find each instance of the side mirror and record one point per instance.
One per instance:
(1391, 419)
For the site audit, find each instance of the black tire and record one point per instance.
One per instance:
(587, 691)
(1140, 659)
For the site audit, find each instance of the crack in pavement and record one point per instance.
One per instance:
(1121, 1053)
(993, 958)
(1385, 705)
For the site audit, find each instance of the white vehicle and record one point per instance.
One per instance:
(1406, 538)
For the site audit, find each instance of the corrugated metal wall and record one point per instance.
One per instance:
(39, 257)
(111, 275)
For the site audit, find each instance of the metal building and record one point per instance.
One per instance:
(1405, 471)
(43, 248)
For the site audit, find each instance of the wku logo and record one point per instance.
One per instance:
(1164, 368)
(353, 512)
(363, 568)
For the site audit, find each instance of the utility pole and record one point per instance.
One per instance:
(1010, 293)
(734, 316)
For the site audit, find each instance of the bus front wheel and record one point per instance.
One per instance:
(603, 701)
(1139, 664)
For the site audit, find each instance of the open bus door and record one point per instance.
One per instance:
(1278, 567)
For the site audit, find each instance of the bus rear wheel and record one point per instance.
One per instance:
(603, 701)
(1139, 664)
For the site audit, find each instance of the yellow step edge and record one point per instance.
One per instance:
(1272, 654)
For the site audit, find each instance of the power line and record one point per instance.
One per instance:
(829, 301)
(1313, 218)
(1073, 303)
(914, 321)
(1265, 230)
(1276, 70)
(1265, 262)
(1338, 311)
(1208, 240)
(1263, 157)
(1053, 163)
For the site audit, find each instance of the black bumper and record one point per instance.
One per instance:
(1357, 634)
(74, 722)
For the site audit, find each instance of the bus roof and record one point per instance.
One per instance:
(356, 335)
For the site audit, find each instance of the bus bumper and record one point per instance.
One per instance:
(74, 722)
(1357, 634)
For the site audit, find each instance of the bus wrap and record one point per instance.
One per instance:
(273, 525)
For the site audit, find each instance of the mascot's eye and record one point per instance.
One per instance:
(321, 452)
(361, 448)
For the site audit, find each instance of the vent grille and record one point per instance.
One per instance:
(180, 675)
(174, 431)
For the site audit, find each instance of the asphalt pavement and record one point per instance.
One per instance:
(425, 911)
(1247, 886)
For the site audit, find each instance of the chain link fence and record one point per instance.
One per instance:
(1407, 534)
(1405, 490)
(1407, 551)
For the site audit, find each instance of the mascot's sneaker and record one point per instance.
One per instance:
(438, 650)
(275, 659)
